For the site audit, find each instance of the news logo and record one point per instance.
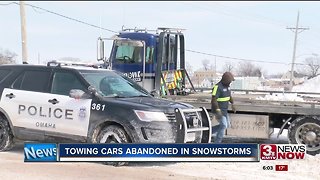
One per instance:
(268, 151)
(282, 151)
(40, 152)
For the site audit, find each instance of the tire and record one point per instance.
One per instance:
(113, 134)
(6, 137)
(306, 130)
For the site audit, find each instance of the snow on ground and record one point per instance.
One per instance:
(13, 167)
(282, 97)
(305, 169)
(311, 85)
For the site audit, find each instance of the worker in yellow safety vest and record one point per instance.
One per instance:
(221, 97)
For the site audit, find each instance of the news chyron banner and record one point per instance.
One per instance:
(142, 152)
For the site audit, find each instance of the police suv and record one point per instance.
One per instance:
(64, 102)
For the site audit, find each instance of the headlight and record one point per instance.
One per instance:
(151, 116)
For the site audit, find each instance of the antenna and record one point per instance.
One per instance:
(100, 19)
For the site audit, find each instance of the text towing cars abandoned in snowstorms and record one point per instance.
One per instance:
(157, 62)
(66, 102)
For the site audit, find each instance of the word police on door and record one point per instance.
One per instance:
(46, 112)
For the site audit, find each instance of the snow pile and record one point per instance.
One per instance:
(297, 169)
(311, 85)
(282, 97)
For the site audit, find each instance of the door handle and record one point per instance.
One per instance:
(11, 95)
(53, 101)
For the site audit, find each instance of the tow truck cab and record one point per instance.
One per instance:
(155, 61)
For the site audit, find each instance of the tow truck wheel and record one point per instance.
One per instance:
(306, 130)
(6, 137)
(113, 134)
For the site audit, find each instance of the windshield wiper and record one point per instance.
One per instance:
(115, 96)
(140, 96)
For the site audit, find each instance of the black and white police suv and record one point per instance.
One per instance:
(68, 103)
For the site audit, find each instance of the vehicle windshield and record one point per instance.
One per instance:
(112, 84)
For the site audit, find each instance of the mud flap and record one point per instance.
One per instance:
(193, 126)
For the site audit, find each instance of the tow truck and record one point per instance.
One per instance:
(157, 62)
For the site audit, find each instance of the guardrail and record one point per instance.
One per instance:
(259, 91)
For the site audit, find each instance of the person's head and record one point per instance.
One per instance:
(227, 78)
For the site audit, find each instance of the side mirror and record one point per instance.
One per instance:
(94, 92)
(100, 50)
(78, 94)
(155, 93)
(92, 89)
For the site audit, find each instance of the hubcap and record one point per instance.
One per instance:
(309, 134)
(110, 137)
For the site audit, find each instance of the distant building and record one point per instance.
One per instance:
(297, 78)
(203, 78)
(276, 84)
(283, 83)
(246, 83)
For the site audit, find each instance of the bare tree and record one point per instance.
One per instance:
(312, 66)
(7, 57)
(249, 69)
(189, 68)
(206, 64)
(228, 66)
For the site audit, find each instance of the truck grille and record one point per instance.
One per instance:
(171, 117)
(189, 116)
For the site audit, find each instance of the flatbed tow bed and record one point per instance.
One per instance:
(301, 118)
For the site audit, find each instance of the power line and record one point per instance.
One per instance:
(7, 4)
(242, 59)
(234, 58)
(255, 16)
(92, 25)
(64, 16)
(241, 16)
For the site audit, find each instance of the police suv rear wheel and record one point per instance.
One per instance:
(306, 130)
(113, 134)
(6, 137)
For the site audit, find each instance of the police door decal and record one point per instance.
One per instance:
(47, 112)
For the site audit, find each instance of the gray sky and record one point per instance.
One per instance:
(247, 30)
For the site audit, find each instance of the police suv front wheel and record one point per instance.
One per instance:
(6, 137)
(113, 134)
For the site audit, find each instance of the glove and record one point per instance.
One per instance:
(233, 108)
(218, 114)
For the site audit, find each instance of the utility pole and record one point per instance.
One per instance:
(23, 33)
(296, 31)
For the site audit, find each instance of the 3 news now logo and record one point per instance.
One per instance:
(40, 152)
(282, 151)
